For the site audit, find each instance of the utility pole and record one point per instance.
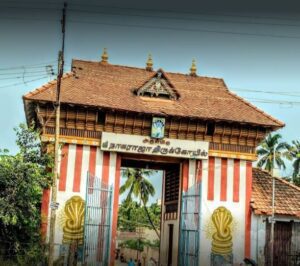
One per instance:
(56, 145)
(273, 211)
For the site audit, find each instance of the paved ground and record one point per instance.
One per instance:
(118, 263)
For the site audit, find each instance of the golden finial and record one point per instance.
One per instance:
(193, 69)
(104, 56)
(149, 63)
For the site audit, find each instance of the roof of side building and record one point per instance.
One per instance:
(287, 195)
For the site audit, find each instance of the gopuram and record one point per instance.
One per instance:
(193, 128)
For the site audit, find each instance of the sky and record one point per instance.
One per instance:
(254, 46)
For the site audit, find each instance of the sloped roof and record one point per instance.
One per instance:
(287, 195)
(112, 86)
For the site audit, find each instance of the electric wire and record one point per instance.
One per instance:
(143, 26)
(38, 65)
(24, 82)
(189, 79)
(183, 19)
(28, 18)
(273, 101)
(184, 12)
(176, 28)
(152, 10)
(157, 16)
(168, 28)
(291, 93)
(31, 76)
(258, 100)
(24, 72)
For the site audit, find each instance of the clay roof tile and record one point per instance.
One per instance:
(287, 195)
(112, 86)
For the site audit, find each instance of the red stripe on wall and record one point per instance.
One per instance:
(211, 178)
(92, 167)
(92, 161)
(105, 168)
(199, 172)
(236, 181)
(223, 196)
(77, 172)
(248, 209)
(63, 168)
(185, 175)
(45, 212)
(197, 188)
(103, 203)
(115, 210)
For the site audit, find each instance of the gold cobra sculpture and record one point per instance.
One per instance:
(222, 238)
(74, 218)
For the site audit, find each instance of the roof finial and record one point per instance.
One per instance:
(104, 56)
(149, 63)
(193, 69)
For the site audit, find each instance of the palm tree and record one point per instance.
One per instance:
(140, 187)
(270, 146)
(295, 154)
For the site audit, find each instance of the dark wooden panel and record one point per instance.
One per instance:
(224, 136)
(171, 188)
(282, 244)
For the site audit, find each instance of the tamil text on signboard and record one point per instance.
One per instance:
(146, 145)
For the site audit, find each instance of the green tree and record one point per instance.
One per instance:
(128, 215)
(22, 179)
(269, 147)
(131, 215)
(155, 214)
(140, 187)
(295, 154)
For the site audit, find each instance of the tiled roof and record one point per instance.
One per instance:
(112, 86)
(287, 196)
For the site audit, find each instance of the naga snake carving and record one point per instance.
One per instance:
(74, 213)
(222, 238)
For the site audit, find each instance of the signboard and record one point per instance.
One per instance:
(158, 127)
(149, 146)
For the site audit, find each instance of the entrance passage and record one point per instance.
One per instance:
(148, 220)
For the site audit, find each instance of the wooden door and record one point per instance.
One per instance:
(282, 243)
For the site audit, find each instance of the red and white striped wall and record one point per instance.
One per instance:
(224, 182)
(75, 162)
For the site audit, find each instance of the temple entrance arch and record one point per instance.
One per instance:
(180, 206)
(169, 203)
(109, 110)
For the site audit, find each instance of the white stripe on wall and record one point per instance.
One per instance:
(243, 189)
(99, 162)
(71, 168)
(217, 179)
(112, 168)
(230, 180)
(84, 170)
(192, 172)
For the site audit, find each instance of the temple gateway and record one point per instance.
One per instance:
(215, 205)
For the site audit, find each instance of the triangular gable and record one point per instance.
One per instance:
(158, 86)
